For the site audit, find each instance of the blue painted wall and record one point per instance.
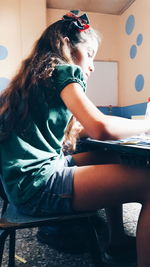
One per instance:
(126, 112)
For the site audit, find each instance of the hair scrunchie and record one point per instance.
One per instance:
(81, 23)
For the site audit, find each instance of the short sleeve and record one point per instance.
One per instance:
(66, 74)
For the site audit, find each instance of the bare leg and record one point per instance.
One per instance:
(120, 247)
(114, 213)
(99, 186)
(115, 225)
(143, 236)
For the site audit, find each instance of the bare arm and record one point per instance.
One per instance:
(127, 127)
(95, 123)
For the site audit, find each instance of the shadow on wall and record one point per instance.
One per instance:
(126, 112)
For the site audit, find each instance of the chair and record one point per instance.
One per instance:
(11, 221)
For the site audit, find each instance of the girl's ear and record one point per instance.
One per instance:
(67, 50)
(66, 39)
(67, 43)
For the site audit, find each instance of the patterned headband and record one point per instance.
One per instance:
(81, 23)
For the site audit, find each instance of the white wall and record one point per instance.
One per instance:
(103, 84)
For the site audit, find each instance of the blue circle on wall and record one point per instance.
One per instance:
(3, 52)
(3, 83)
(139, 82)
(133, 51)
(139, 39)
(130, 23)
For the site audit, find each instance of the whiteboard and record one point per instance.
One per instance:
(102, 86)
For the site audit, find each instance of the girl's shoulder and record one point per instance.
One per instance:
(69, 70)
(68, 73)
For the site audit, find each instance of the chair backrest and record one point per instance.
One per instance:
(3, 196)
(2, 191)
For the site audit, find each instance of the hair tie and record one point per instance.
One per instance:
(81, 23)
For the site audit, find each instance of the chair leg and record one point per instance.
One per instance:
(3, 235)
(94, 243)
(12, 241)
(4, 207)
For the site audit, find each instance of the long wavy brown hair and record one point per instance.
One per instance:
(49, 50)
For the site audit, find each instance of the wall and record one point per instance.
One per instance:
(19, 28)
(23, 21)
(134, 60)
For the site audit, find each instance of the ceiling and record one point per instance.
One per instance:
(115, 7)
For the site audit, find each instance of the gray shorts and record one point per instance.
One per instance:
(56, 196)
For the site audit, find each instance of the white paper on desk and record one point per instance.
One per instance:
(142, 139)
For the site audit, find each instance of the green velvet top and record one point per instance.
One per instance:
(31, 153)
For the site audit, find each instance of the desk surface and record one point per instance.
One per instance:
(122, 147)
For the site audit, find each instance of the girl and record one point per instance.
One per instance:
(34, 112)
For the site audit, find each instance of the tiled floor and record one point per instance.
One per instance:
(38, 255)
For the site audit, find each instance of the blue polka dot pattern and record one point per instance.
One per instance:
(130, 23)
(139, 39)
(133, 51)
(3, 83)
(3, 52)
(139, 82)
